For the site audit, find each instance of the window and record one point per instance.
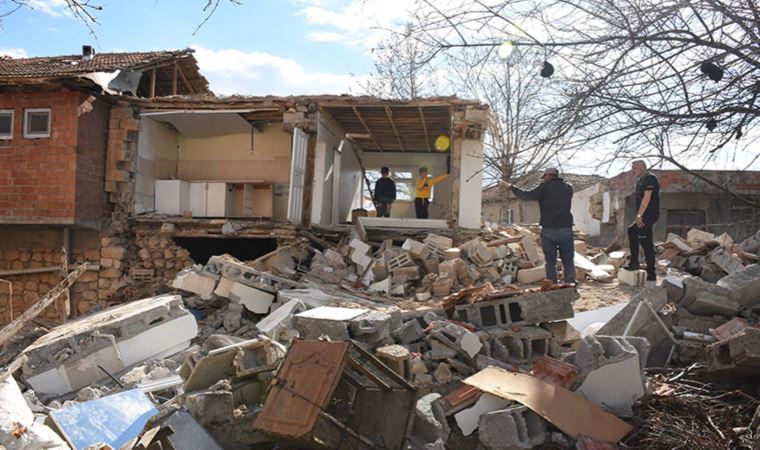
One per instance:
(6, 124)
(510, 216)
(37, 123)
(404, 179)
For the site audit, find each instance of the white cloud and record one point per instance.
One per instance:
(51, 7)
(231, 71)
(14, 52)
(325, 36)
(359, 22)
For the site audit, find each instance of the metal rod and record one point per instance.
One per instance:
(110, 376)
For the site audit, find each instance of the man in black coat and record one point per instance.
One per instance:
(385, 193)
(647, 214)
(554, 198)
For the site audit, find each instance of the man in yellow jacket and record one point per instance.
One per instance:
(422, 195)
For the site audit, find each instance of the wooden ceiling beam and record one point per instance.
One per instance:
(184, 80)
(395, 130)
(366, 127)
(424, 129)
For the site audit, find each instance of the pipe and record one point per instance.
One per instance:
(7, 273)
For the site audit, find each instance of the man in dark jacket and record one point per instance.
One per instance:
(385, 193)
(554, 198)
(647, 214)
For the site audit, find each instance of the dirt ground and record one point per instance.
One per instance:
(597, 295)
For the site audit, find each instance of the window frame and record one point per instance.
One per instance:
(393, 169)
(27, 112)
(7, 137)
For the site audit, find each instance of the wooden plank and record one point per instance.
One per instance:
(389, 113)
(14, 327)
(174, 78)
(15, 365)
(184, 79)
(152, 83)
(424, 129)
(366, 127)
(566, 410)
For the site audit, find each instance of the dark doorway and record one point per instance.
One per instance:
(201, 249)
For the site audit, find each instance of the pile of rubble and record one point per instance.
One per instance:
(339, 342)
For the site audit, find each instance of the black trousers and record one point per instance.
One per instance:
(383, 207)
(642, 237)
(421, 207)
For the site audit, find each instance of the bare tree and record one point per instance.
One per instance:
(402, 70)
(519, 97)
(86, 11)
(628, 71)
(521, 102)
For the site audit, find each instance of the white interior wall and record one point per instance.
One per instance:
(328, 141)
(436, 164)
(471, 184)
(581, 211)
(156, 159)
(350, 181)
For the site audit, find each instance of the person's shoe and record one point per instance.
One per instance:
(631, 267)
(652, 277)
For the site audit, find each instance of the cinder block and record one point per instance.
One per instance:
(192, 280)
(531, 308)
(632, 277)
(516, 427)
(531, 275)
(745, 283)
(739, 356)
(523, 345)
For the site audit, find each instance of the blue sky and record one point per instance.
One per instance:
(259, 47)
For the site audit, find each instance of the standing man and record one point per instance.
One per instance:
(647, 214)
(385, 193)
(422, 194)
(554, 198)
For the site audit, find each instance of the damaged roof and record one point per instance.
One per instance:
(75, 66)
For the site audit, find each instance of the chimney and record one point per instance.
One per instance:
(87, 52)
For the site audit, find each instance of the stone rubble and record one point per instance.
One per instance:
(432, 313)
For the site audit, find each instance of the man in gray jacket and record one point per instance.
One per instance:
(554, 198)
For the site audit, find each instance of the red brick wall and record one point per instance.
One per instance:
(38, 176)
(91, 199)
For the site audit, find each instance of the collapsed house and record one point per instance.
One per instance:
(129, 162)
(320, 315)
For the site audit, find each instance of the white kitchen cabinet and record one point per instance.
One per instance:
(172, 197)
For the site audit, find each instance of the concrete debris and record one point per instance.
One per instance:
(70, 356)
(306, 342)
(18, 428)
(468, 419)
(516, 427)
(738, 356)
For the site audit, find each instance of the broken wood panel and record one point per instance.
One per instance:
(305, 383)
(568, 411)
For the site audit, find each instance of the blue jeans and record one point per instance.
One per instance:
(553, 239)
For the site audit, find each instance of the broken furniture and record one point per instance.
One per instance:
(326, 395)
